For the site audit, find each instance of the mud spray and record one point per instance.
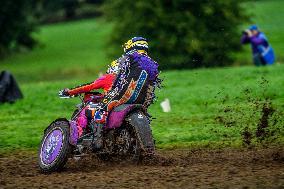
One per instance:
(255, 116)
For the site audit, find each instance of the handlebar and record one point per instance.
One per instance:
(84, 97)
(63, 96)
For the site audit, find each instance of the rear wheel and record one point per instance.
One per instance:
(127, 143)
(140, 124)
(55, 148)
(132, 141)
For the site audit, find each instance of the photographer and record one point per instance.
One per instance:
(262, 52)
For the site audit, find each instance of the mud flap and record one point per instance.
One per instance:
(118, 114)
(143, 130)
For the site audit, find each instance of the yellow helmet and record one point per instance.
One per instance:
(113, 68)
(136, 43)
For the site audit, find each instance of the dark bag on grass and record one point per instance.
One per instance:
(9, 89)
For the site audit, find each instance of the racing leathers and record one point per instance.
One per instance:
(135, 83)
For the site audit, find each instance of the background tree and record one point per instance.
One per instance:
(63, 10)
(182, 33)
(50, 9)
(17, 22)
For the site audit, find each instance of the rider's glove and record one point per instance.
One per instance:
(64, 92)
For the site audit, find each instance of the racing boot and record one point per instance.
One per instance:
(98, 138)
(99, 122)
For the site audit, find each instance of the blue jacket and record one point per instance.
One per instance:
(260, 46)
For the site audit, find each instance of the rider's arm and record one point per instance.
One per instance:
(104, 82)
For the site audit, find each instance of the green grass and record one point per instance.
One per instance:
(197, 99)
(73, 53)
(66, 50)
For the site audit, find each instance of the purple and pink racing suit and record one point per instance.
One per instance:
(135, 84)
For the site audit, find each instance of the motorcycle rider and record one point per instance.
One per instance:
(135, 82)
(104, 82)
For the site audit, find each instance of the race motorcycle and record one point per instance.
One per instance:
(127, 135)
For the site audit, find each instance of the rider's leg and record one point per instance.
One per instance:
(99, 121)
(81, 122)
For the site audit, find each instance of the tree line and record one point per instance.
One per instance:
(182, 33)
(20, 18)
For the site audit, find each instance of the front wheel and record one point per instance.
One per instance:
(55, 148)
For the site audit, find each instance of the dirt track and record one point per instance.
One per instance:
(170, 169)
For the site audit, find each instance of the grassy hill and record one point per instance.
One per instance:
(210, 107)
(66, 50)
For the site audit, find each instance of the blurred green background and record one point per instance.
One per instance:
(211, 107)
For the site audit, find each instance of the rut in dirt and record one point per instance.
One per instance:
(168, 169)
